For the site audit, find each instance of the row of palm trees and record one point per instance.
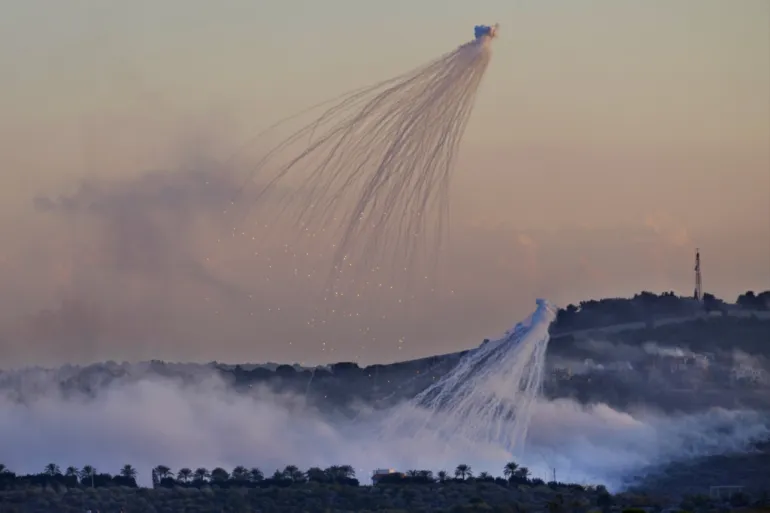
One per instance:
(511, 470)
(88, 475)
(291, 473)
(254, 474)
(88, 471)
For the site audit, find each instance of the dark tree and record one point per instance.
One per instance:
(219, 475)
(184, 475)
(463, 471)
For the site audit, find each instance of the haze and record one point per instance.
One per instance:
(610, 139)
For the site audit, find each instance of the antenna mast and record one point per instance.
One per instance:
(698, 284)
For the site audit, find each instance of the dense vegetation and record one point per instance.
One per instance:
(315, 490)
(746, 328)
(247, 489)
(750, 470)
(665, 320)
(647, 307)
(337, 384)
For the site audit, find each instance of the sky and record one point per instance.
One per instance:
(610, 138)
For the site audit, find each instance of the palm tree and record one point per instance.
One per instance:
(87, 472)
(72, 472)
(463, 471)
(162, 472)
(523, 473)
(256, 475)
(201, 474)
(184, 475)
(442, 475)
(412, 473)
(510, 469)
(52, 469)
(240, 473)
(219, 475)
(484, 475)
(128, 472)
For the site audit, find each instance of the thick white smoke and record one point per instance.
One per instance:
(597, 443)
(151, 420)
(487, 398)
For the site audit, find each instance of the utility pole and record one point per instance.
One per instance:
(698, 283)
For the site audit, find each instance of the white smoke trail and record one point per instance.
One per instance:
(376, 170)
(487, 399)
(110, 414)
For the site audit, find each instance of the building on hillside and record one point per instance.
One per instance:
(382, 472)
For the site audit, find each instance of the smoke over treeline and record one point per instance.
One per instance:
(674, 409)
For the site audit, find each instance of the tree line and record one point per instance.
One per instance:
(751, 301)
(646, 306)
(241, 476)
(245, 477)
(71, 477)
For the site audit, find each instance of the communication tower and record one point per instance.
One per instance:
(698, 284)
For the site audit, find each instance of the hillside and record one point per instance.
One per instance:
(647, 350)
(661, 353)
(749, 470)
(316, 490)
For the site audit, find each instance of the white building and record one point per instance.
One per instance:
(382, 472)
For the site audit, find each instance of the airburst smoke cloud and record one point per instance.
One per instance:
(487, 398)
(374, 169)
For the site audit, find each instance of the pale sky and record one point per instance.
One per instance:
(609, 140)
